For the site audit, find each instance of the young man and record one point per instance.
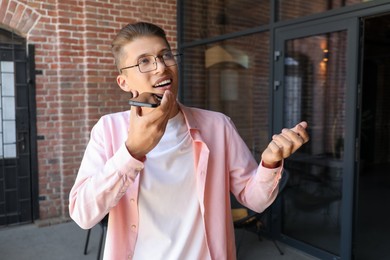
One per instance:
(165, 174)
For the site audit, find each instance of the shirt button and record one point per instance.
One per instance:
(132, 200)
(133, 227)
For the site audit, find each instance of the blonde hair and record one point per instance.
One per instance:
(132, 31)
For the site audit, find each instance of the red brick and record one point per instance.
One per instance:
(72, 41)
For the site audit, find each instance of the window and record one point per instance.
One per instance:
(206, 19)
(7, 110)
(288, 9)
(231, 76)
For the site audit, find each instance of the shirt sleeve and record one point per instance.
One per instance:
(253, 185)
(260, 189)
(103, 178)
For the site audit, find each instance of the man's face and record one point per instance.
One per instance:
(155, 81)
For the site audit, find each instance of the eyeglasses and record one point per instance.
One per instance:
(149, 62)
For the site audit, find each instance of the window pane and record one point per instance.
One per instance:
(7, 66)
(1, 145)
(205, 19)
(7, 84)
(8, 108)
(288, 9)
(232, 77)
(9, 150)
(315, 90)
(9, 132)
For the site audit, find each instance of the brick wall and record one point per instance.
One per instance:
(72, 40)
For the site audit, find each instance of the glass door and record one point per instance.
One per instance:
(315, 81)
(372, 214)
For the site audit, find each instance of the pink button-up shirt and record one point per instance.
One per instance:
(108, 181)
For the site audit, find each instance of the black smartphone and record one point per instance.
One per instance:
(146, 99)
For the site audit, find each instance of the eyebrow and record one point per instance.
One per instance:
(148, 54)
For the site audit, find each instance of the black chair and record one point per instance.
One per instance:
(103, 224)
(253, 221)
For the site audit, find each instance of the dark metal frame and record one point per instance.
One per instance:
(33, 132)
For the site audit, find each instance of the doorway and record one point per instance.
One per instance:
(315, 82)
(373, 188)
(18, 163)
(335, 205)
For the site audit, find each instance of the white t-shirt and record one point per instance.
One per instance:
(170, 222)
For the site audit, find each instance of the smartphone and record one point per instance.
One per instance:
(146, 99)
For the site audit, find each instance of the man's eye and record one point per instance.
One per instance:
(144, 61)
(168, 56)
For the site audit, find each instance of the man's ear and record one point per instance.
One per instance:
(122, 83)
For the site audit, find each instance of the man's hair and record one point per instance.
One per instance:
(132, 31)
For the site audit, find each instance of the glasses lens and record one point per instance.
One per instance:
(171, 58)
(147, 63)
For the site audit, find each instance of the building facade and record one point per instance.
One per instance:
(270, 64)
(267, 64)
(61, 50)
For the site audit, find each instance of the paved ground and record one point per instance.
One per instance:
(66, 241)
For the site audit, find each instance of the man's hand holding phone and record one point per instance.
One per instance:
(146, 99)
(147, 129)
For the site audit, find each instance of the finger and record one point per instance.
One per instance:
(293, 136)
(274, 152)
(275, 147)
(300, 129)
(303, 124)
(134, 93)
(159, 116)
(167, 104)
(135, 111)
(285, 144)
(298, 137)
(167, 100)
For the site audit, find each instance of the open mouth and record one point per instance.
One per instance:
(163, 83)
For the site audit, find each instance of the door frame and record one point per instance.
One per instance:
(26, 132)
(33, 130)
(351, 25)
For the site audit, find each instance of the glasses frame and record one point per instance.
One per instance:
(160, 57)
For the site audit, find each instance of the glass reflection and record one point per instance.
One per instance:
(205, 19)
(231, 77)
(288, 9)
(315, 91)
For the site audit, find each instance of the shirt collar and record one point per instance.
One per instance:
(191, 121)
